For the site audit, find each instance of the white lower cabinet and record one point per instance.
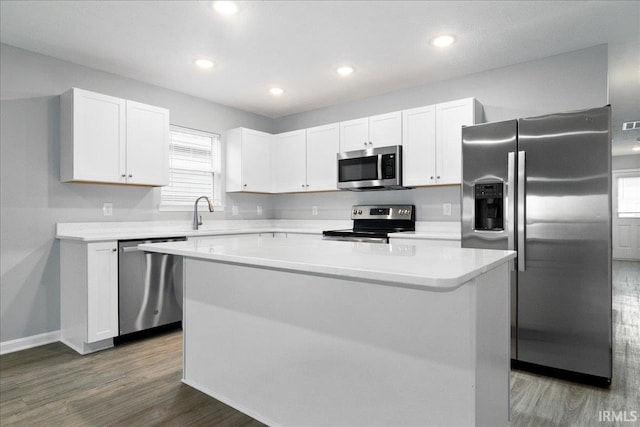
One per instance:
(88, 294)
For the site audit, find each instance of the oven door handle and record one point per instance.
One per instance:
(357, 239)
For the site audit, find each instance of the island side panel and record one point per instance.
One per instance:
(296, 349)
(493, 334)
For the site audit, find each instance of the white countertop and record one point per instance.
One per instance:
(432, 268)
(105, 231)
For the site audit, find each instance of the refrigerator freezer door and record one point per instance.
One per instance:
(485, 150)
(564, 295)
(488, 155)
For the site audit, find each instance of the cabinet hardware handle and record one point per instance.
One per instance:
(302, 185)
(245, 185)
(365, 143)
(114, 250)
(307, 185)
(438, 177)
(123, 175)
(130, 175)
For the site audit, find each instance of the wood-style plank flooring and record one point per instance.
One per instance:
(138, 383)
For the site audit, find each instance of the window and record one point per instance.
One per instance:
(194, 169)
(629, 197)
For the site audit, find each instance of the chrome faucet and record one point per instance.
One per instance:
(197, 221)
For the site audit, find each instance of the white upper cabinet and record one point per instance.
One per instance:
(432, 141)
(385, 129)
(306, 160)
(289, 161)
(112, 140)
(147, 144)
(375, 131)
(450, 117)
(419, 146)
(323, 145)
(249, 161)
(354, 134)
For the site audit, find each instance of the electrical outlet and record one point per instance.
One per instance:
(107, 209)
(259, 210)
(446, 209)
(314, 210)
(234, 210)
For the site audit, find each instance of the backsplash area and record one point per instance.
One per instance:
(429, 203)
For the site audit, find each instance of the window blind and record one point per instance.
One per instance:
(191, 168)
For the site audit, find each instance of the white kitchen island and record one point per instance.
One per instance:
(312, 332)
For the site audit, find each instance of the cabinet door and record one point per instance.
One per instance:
(419, 146)
(102, 291)
(323, 144)
(289, 162)
(354, 134)
(147, 144)
(386, 129)
(450, 117)
(98, 137)
(256, 161)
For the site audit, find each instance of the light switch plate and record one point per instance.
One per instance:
(107, 209)
(234, 210)
(259, 210)
(446, 209)
(314, 210)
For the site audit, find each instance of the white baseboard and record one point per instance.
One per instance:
(29, 342)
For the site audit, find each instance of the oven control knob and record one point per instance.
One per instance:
(355, 212)
(359, 211)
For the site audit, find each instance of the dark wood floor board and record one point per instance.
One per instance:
(139, 383)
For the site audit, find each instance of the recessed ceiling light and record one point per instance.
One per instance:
(204, 63)
(443, 41)
(345, 71)
(225, 7)
(276, 91)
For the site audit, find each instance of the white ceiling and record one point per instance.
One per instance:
(298, 44)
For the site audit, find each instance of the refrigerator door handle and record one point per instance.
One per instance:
(521, 219)
(511, 209)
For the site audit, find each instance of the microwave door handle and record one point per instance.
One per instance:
(379, 166)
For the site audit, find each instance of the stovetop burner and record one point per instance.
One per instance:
(373, 223)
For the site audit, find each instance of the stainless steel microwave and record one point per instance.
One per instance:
(371, 169)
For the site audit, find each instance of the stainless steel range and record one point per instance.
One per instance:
(373, 223)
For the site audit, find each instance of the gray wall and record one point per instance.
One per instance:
(32, 197)
(33, 200)
(559, 83)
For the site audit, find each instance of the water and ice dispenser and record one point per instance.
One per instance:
(489, 206)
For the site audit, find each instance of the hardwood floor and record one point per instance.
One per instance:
(538, 401)
(138, 383)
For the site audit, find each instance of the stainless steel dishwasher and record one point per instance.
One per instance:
(149, 286)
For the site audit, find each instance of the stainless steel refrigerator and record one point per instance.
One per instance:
(542, 186)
